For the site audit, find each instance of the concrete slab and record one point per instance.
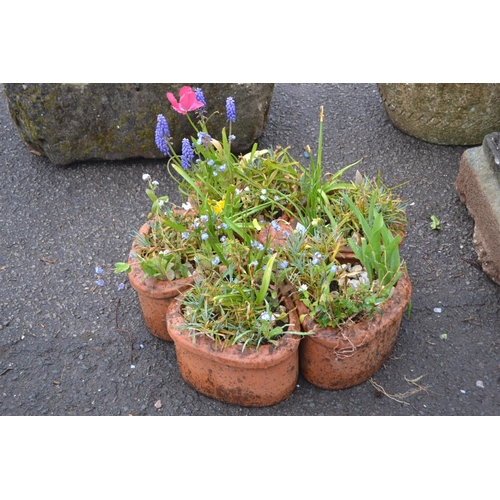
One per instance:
(478, 185)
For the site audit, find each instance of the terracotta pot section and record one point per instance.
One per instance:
(155, 295)
(339, 358)
(256, 378)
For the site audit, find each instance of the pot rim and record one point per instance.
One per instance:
(363, 331)
(149, 286)
(266, 355)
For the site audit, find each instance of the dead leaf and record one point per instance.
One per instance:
(43, 259)
(35, 152)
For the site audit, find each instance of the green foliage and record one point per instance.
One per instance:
(122, 267)
(229, 200)
(335, 294)
(237, 303)
(435, 223)
(379, 250)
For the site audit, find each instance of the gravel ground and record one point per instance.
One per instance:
(63, 345)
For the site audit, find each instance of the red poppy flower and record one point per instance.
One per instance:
(187, 100)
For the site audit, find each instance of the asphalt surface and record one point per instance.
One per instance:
(70, 347)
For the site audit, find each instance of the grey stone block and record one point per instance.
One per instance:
(114, 121)
(478, 185)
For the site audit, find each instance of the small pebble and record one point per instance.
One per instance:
(132, 366)
(480, 383)
(462, 391)
(437, 310)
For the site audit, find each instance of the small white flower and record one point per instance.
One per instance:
(161, 203)
(300, 228)
(187, 206)
(303, 287)
(265, 316)
(146, 177)
(155, 183)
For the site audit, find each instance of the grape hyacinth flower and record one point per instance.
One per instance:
(230, 109)
(187, 154)
(199, 96)
(162, 135)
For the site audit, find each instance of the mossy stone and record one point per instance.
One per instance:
(77, 122)
(459, 114)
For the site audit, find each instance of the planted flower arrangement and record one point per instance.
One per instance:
(256, 254)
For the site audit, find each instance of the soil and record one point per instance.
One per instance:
(71, 347)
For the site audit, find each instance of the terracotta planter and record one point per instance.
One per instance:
(154, 295)
(339, 358)
(443, 113)
(257, 378)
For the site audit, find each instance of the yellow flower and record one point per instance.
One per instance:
(216, 206)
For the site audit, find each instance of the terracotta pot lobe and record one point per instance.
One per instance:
(255, 378)
(339, 358)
